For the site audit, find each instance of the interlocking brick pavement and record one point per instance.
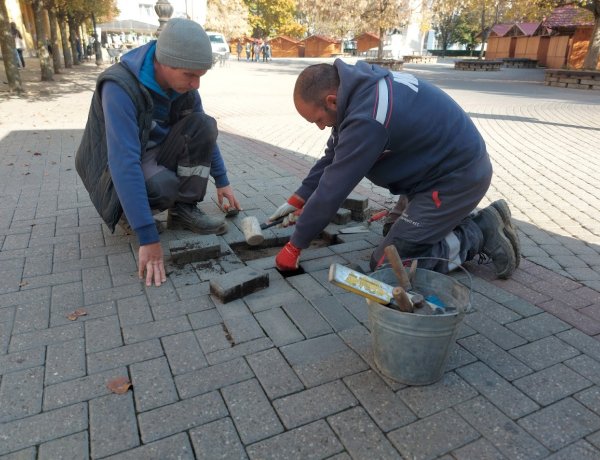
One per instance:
(288, 371)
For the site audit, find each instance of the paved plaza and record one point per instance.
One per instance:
(288, 372)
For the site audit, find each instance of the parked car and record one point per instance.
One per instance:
(220, 47)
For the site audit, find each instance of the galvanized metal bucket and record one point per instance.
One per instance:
(413, 348)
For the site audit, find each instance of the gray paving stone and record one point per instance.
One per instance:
(96, 278)
(277, 294)
(493, 310)
(239, 322)
(494, 331)
(562, 423)
(81, 389)
(183, 352)
(65, 361)
(506, 436)
(355, 304)
(538, 326)
(21, 394)
(212, 378)
(429, 399)
(251, 412)
(308, 287)
(274, 373)
(155, 329)
(433, 436)
(585, 366)
(360, 435)
(116, 293)
(113, 426)
(278, 326)
(497, 390)
(122, 356)
(134, 310)
(239, 350)
(181, 416)
(552, 384)
(586, 344)
(43, 427)
(25, 359)
(313, 441)
(217, 439)
(384, 406)
(307, 319)
(334, 313)
(315, 403)
(492, 355)
(214, 338)
(66, 297)
(173, 448)
(322, 359)
(102, 334)
(45, 337)
(25, 454)
(544, 353)
(183, 307)
(581, 450)
(73, 447)
(479, 449)
(206, 318)
(152, 384)
(590, 398)
(59, 317)
(31, 316)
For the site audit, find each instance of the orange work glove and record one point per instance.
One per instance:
(287, 259)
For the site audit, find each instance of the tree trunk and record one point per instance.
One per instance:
(54, 40)
(7, 45)
(483, 32)
(591, 58)
(73, 39)
(380, 46)
(64, 38)
(40, 36)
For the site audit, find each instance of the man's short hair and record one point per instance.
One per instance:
(315, 82)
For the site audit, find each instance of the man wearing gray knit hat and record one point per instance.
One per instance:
(148, 146)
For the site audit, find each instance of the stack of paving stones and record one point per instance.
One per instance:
(284, 372)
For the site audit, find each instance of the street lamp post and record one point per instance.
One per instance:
(164, 10)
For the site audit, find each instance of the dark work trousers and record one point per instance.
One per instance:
(436, 224)
(178, 169)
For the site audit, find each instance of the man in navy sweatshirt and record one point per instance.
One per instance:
(410, 137)
(148, 145)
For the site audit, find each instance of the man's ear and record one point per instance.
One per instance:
(331, 101)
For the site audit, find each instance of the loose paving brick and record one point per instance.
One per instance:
(238, 283)
(181, 416)
(113, 426)
(251, 412)
(315, 440)
(217, 439)
(315, 403)
(360, 435)
(384, 406)
(562, 423)
(196, 249)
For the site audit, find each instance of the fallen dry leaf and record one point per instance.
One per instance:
(23, 283)
(37, 154)
(76, 314)
(119, 385)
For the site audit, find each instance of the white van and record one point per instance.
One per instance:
(220, 47)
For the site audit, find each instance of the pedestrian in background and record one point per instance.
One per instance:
(19, 44)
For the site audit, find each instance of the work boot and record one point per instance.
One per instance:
(394, 214)
(190, 217)
(509, 230)
(496, 245)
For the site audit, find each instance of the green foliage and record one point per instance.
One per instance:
(269, 18)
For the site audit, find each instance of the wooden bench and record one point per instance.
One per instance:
(579, 79)
(521, 63)
(477, 64)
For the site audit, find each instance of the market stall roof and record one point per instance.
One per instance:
(129, 25)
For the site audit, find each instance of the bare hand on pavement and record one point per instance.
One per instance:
(227, 192)
(151, 263)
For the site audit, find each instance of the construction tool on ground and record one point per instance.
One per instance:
(365, 227)
(272, 223)
(252, 231)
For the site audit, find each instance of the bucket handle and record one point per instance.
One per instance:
(469, 277)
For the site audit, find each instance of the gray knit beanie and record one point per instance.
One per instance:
(183, 44)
